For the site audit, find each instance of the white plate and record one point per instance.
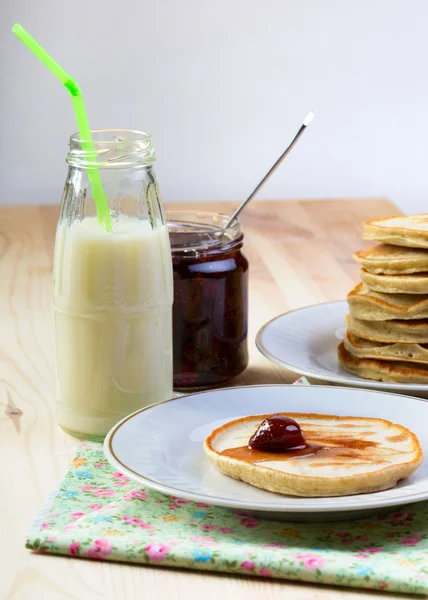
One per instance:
(161, 446)
(305, 341)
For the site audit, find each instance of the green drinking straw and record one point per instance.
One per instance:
(73, 87)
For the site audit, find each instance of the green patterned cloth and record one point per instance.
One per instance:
(99, 513)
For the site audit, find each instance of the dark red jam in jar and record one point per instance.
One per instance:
(210, 310)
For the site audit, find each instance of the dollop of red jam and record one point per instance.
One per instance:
(277, 434)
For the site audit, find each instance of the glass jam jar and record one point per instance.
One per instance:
(210, 310)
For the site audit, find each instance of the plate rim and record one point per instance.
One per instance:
(364, 383)
(350, 506)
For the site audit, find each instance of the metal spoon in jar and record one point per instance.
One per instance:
(305, 123)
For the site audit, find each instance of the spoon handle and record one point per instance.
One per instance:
(305, 123)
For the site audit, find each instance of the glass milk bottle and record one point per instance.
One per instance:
(113, 290)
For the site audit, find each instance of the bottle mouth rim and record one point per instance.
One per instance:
(100, 136)
(112, 148)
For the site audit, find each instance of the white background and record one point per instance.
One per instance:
(223, 85)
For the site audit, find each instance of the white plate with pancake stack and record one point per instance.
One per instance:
(378, 338)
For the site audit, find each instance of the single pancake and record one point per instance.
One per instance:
(361, 348)
(369, 305)
(416, 283)
(383, 370)
(411, 231)
(345, 455)
(406, 332)
(392, 260)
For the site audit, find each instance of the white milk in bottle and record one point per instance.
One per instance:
(113, 296)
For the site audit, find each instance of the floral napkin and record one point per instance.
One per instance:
(99, 513)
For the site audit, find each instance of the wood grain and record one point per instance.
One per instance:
(299, 253)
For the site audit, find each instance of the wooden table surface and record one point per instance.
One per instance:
(299, 253)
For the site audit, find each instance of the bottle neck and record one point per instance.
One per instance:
(124, 159)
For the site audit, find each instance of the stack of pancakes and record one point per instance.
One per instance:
(387, 324)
